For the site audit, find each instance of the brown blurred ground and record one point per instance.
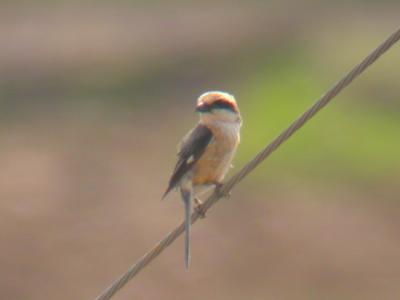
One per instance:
(80, 183)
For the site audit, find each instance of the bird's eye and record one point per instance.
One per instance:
(203, 108)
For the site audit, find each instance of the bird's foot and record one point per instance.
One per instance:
(199, 207)
(218, 190)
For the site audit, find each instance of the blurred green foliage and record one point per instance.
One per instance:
(347, 140)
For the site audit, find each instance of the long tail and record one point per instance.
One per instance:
(187, 201)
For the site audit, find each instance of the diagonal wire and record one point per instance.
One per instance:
(224, 190)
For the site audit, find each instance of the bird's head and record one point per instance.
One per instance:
(218, 106)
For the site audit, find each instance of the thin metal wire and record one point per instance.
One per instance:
(227, 187)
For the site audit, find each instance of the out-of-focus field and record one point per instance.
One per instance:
(94, 98)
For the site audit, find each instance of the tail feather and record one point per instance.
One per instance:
(187, 201)
(166, 192)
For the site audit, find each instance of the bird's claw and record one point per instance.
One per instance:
(218, 190)
(199, 208)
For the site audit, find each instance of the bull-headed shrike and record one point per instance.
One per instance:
(206, 152)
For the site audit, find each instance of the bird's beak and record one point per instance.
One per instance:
(203, 108)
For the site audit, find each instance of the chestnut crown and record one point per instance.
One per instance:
(212, 101)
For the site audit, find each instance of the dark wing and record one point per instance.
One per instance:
(191, 149)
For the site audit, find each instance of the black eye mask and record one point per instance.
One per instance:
(221, 104)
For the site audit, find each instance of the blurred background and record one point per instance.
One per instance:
(95, 96)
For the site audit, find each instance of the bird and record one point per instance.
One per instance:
(205, 154)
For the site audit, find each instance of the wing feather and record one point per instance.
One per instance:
(191, 149)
